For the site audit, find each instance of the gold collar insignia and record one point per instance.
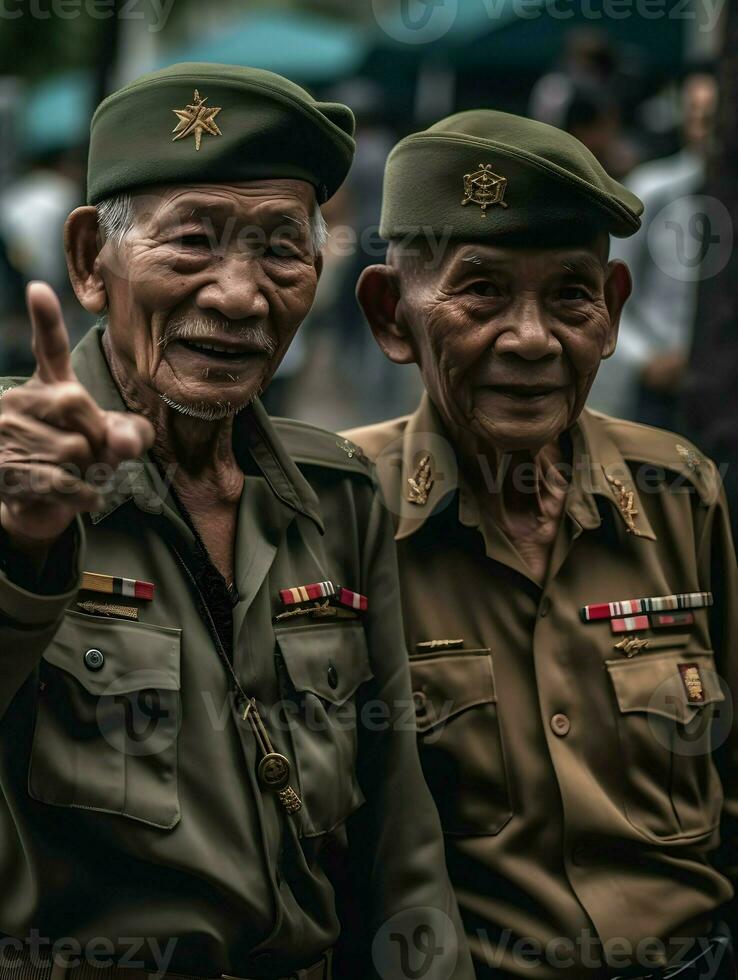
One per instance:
(421, 482)
(625, 500)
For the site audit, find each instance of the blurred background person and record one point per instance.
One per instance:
(586, 96)
(643, 379)
(710, 402)
(612, 81)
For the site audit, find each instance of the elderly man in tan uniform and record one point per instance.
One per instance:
(568, 579)
(205, 762)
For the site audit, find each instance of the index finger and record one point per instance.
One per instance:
(50, 340)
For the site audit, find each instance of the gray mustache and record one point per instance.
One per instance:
(205, 328)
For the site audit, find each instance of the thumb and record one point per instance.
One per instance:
(128, 435)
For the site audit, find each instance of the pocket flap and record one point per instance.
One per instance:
(655, 683)
(330, 661)
(444, 685)
(135, 656)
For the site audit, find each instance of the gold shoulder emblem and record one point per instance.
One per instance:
(351, 450)
(691, 460)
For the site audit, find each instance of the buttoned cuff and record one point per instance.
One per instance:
(31, 599)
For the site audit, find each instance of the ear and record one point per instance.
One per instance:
(618, 287)
(82, 249)
(318, 266)
(379, 294)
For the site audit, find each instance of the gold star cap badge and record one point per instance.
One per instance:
(196, 119)
(484, 187)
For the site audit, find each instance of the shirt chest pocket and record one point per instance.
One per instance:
(668, 713)
(322, 668)
(459, 738)
(107, 720)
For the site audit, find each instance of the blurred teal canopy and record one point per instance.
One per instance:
(56, 113)
(302, 47)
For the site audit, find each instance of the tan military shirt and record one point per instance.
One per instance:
(131, 812)
(579, 798)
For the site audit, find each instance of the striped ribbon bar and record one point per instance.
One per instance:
(114, 585)
(659, 620)
(352, 600)
(306, 593)
(628, 624)
(630, 607)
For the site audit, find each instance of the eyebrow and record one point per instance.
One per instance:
(575, 265)
(584, 263)
(199, 210)
(490, 261)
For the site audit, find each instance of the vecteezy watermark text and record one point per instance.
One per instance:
(100, 952)
(424, 21)
(155, 12)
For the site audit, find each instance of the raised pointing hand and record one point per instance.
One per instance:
(52, 433)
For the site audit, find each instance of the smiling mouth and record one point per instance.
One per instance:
(523, 392)
(220, 352)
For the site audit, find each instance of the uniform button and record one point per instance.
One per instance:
(420, 699)
(94, 660)
(560, 724)
(332, 676)
(545, 606)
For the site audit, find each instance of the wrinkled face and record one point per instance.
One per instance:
(509, 340)
(206, 290)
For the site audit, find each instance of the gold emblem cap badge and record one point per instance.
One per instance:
(485, 188)
(196, 119)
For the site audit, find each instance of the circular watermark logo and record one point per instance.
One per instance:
(425, 465)
(416, 944)
(415, 21)
(699, 703)
(137, 713)
(691, 239)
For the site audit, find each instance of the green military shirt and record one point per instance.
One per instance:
(580, 800)
(129, 799)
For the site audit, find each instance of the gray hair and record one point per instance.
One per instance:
(115, 217)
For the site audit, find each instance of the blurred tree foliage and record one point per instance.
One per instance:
(32, 46)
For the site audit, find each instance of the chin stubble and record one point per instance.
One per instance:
(208, 411)
(202, 328)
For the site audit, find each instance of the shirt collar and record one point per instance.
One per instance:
(424, 455)
(141, 480)
(598, 470)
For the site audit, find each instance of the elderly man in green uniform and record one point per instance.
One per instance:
(568, 579)
(205, 760)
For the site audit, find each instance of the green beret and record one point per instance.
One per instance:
(491, 175)
(200, 123)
